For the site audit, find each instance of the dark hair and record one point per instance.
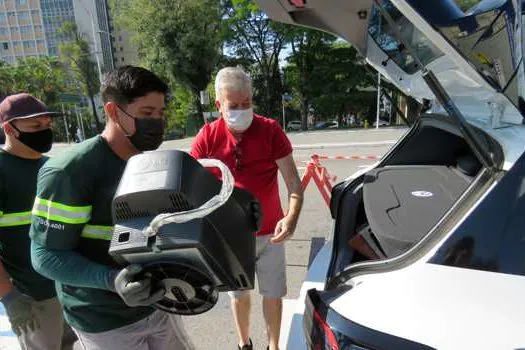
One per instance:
(125, 84)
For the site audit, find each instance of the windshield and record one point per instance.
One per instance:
(385, 36)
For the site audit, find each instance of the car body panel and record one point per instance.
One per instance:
(335, 16)
(315, 278)
(440, 306)
(406, 303)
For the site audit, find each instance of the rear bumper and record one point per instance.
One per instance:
(345, 332)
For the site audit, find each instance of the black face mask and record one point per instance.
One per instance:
(148, 134)
(39, 141)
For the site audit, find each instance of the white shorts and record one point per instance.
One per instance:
(270, 269)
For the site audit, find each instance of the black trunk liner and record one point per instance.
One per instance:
(403, 203)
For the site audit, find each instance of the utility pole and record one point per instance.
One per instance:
(94, 34)
(285, 98)
(284, 113)
(95, 46)
(65, 122)
(80, 124)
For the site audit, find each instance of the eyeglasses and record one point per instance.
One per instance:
(237, 152)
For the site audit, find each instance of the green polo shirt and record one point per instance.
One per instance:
(73, 212)
(18, 178)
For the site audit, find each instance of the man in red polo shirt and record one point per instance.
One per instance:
(255, 149)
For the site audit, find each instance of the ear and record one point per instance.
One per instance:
(218, 104)
(9, 130)
(111, 110)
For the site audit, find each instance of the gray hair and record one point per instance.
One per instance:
(232, 78)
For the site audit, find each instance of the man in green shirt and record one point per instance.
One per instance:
(109, 307)
(29, 298)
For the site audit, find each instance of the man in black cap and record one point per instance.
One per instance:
(29, 298)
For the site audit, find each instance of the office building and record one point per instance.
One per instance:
(21, 30)
(31, 28)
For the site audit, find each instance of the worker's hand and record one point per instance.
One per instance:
(136, 290)
(20, 311)
(284, 229)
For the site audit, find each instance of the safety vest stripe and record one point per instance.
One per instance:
(98, 232)
(61, 213)
(59, 218)
(15, 219)
(68, 208)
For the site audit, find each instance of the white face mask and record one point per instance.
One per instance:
(239, 119)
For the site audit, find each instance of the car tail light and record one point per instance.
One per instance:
(319, 334)
(329, 336)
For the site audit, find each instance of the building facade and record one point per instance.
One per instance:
(54, 14)
(124, 52)
(22, 32)
(31, 28)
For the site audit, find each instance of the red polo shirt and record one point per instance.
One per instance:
(252, 163)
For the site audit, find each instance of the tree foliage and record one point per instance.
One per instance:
(44, 78)
(178, 39)
(325, 76)
(254, 36)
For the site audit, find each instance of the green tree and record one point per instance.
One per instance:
(179, 108)
(309, 48)
(326, 76)
(44, 78)
(254, 37)
(77, 56)
(178, 39)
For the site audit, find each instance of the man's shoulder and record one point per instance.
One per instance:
(5, 162)
(82, 153)
(266, 127)
(215, 125)
(265, 121)
(212, 128)
(4, 156)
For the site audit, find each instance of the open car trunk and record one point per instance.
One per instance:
(402, 202)
(389, 209)
(468, 64)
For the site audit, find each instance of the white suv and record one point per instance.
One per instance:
(428, 247)
(294, 125)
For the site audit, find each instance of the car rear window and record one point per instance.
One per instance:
(383, 34)
(492, 238)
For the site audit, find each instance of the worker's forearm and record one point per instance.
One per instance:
(71, 268)
(5, 282)
(295, 202)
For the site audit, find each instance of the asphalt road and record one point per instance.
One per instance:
(215, 329)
